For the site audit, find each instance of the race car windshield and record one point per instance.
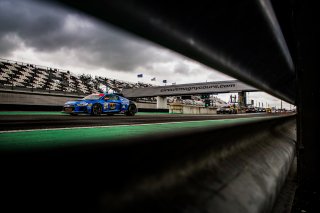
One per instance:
(92, 97)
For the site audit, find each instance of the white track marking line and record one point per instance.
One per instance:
(92, 127)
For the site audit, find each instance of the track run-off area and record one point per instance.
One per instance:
(30, 130)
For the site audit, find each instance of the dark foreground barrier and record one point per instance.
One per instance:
(235, 168)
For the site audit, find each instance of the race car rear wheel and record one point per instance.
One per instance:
(96, 109)
(132, 109)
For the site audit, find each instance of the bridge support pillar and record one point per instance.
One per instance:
(162, 102)
(242, 98)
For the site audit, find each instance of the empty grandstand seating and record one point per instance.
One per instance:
(20, 75)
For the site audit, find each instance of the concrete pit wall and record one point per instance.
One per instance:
(18, 99)
(147, 105)
(35, 98)
(194, 110)
(23, 98)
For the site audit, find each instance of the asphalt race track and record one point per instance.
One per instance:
(43, 121)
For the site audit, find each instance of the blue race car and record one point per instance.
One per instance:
(97, 104)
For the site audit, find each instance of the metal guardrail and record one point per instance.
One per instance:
(247, 45)
(233, 168)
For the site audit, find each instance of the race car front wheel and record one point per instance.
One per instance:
(132, 109)
(96, 109)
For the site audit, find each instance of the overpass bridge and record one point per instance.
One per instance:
(161, 92)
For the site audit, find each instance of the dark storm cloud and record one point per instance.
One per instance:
(28, 21)
(47, 28)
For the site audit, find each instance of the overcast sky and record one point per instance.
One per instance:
(53, 36)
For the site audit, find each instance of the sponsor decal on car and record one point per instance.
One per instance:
(112, 106)
(105, 105)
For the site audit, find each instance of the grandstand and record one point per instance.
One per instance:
(23, 76)
(19, 75)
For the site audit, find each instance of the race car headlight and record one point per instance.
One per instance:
(82, 104)
(89, 105)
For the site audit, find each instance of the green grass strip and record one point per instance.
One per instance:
(62, 137)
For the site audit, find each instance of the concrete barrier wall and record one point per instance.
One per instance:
(51, 99)
(29, 98)
(147, 105)
(47, 99)
(194, 110)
